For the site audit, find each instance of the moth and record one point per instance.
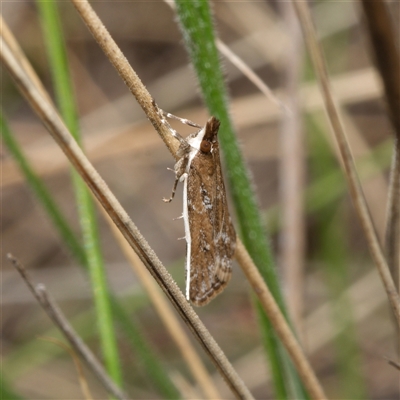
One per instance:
(209, 233)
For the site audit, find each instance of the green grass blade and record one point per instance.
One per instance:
(65, 98)
(197, 28)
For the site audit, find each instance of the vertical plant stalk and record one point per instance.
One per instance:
(65, 98)
(356, 192)
(387, 59)
(61, 135)
(292, 240)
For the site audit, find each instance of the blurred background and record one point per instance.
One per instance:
(344, 322)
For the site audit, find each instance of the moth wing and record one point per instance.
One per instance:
(224, 232)
(206, 264)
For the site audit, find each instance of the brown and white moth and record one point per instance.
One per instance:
(209, 233)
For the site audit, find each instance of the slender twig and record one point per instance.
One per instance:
(55, 314)
(351, 174)
(60, 133)
(292, 240)
(252, 76)
(279, 323)
(387, 59)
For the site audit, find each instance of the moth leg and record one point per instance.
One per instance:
(173, 191)
(179, 169)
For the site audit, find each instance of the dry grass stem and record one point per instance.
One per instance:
(251, 76)
(62, 136)
(279, 323)
(164, 311)
(351, 174)
(58, 318)
(292, 238)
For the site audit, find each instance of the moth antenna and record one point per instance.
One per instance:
(182, 120)
(180, 217)
(162, 115)
(181, 238)
(170, 169)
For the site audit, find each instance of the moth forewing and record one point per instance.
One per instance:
(209, 233)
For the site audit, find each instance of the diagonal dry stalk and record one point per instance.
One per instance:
(356, 191)
(60, 133)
